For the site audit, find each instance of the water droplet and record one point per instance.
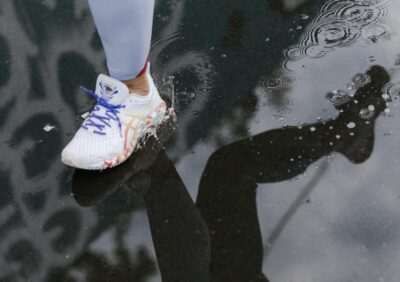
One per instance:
(312, 128)
(48, 127)
(304, 16)
(366, 113)
(351, 125)
(386, 97)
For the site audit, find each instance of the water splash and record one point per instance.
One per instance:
(167, 91)
(167, 125)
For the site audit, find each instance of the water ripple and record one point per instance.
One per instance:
(361, 79)
(377, 32)
(357, 13)
(316, 51)
(329, 33)
(338, 97)
(294, 52)
(340, 23)
(272, 84)
(392, 90)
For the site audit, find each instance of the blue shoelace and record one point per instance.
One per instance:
(100, 122)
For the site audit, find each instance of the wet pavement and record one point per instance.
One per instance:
(282, 166)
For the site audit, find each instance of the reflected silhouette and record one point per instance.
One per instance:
(98, 269)
(227, 192)
(178, 231)
(227, 200)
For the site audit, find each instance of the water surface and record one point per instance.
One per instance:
(282, 165)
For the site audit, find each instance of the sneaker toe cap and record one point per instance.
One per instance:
(87, 155)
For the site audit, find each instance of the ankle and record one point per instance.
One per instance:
(138, 85)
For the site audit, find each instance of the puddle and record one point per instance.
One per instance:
(278, 160)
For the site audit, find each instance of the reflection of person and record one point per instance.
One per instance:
(178, 231)
(128, 103)
(227, 192)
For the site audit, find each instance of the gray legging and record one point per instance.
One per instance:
(125, 28)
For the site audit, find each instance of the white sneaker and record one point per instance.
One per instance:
(110, 133)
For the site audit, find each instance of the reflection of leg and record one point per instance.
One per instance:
(179, 233)
(227, 189)
(125, 28)
(228, 204)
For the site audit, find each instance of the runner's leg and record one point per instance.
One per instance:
(125, 28)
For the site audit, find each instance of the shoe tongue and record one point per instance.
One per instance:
(113, 91)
